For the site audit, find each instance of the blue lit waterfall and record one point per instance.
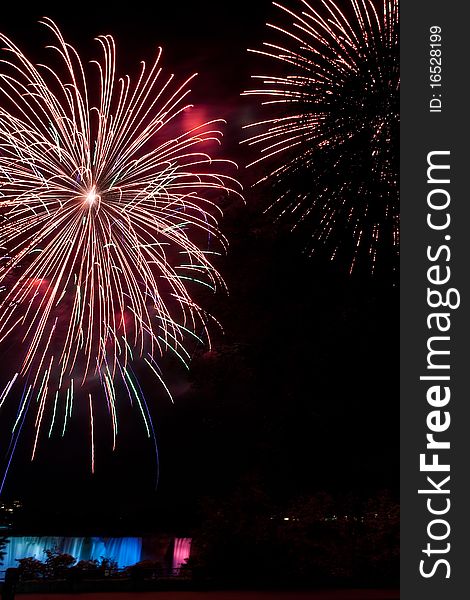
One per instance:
(125, 551)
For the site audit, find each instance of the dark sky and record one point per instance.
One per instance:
(205, 37)
(301, 393)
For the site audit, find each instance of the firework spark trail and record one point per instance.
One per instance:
(103, 208)
(329, 140)
(92, 434)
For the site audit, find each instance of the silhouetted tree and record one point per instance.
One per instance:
(316, 539)
(3, 543)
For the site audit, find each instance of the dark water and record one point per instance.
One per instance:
(221, 595)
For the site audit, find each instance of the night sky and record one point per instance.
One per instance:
(299, 395)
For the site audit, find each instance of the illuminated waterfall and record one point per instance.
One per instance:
(181, 551)
(125, 551)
